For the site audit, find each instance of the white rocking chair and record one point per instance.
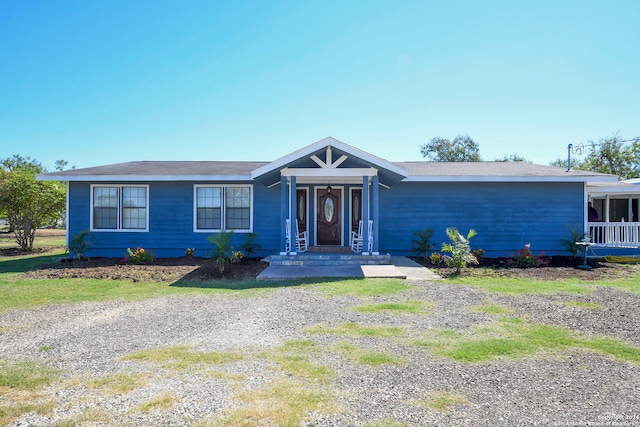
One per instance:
(302, 239)
(357, 239)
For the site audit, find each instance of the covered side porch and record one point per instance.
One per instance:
(613, 215)
(329, 198)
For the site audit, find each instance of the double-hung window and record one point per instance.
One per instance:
(120, 207)
(223, 207)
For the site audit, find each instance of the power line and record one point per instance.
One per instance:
(580, 148)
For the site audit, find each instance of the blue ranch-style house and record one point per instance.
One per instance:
(330, 195)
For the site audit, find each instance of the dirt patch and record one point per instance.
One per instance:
(559, 267)
(192, 268)
(162, 270)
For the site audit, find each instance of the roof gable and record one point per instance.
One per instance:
(327, 154)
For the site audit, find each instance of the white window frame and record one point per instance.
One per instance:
(223, 208)
(119, 228)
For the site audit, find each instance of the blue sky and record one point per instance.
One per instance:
(99, 82)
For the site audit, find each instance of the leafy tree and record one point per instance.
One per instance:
(613, 155)
(61, 164)
(512, 158)
(461, 149)
(17, 162)
(29, 204)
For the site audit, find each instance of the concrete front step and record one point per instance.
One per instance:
(328, 259)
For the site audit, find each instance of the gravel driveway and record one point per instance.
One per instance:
(88, 341)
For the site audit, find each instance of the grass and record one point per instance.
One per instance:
(119, 382)
(368, 357)
(182, 357)
(363, 287)
(282, 403)
(9, 412)
(294, 357)
(44, 238)
(489, 308)
(20, 292)
(514, 338)
(162, 401)
(519, 286)
(19, 380)
(404, 307)
(352, 329)
(25, 375)
(582, 304)
(443, 400)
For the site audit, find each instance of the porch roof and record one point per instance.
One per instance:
(330, 159)
(620, 188)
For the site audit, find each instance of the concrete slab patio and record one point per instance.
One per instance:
(401, 268)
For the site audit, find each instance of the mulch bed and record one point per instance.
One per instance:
(559, 267)
(161, 270)
(193, 268)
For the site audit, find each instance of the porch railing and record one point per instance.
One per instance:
(615, 234)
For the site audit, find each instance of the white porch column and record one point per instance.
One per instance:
(292, 213)
(365, 215)
(376, 213)
(283, 215)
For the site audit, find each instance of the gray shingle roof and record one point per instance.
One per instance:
(490, 169)
(424, 171)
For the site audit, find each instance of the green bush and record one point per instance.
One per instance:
(222, 248)
(422, 245)
(78, 245)
(139, 256)
(576, 236)
(459, 249)
(250, 246)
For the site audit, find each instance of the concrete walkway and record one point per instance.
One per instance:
(402, 268)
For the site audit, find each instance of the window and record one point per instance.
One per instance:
(222, 208)
(119, 208)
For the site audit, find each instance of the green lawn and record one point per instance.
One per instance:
(519, 286)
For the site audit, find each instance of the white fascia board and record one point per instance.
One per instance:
(306, 151)
(124, 178)
(500, 179)
(321, 172)
(602, 190)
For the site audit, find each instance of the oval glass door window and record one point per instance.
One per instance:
(328, 209)
(301, 208)
(356, 208)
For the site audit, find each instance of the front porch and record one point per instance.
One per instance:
(614, 234)
(330, 198)
(613, 215)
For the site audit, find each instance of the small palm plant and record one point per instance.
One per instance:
(576, 236)
(459, 249)
(222, 248)
(422, 245)
(250, 246)
(78, 245)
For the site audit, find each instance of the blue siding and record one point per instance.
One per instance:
(171, 222)
(505, 215)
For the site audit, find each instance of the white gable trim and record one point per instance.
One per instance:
(327, 142)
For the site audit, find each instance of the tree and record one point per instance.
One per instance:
(512, 158)
(61, 164)
(17, 162)
(461, 149)
(614, 155)
(29, 203)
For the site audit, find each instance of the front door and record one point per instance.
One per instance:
(329, 217)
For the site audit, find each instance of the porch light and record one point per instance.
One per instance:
(329, 188)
